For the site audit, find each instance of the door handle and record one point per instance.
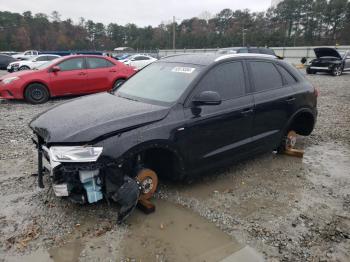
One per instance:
(112, 70)
(290, 100)
(81, 74)
(247, 111)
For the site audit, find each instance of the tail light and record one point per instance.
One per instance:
(316, 92)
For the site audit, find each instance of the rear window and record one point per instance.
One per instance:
(265, 76)
(288, 78)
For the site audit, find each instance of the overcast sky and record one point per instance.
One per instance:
(140, 12)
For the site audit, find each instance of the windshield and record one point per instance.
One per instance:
(160, 82)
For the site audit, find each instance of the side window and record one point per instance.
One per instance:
(242, 50)
(27, 53)
(49, 58)
(254, 50)
(41, 58)
(94, 62)
(72, 64)
(290, 80)
(226, 79)
(265, 76)
(144, 58)
(137, 58)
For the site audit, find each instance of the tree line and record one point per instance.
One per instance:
(291, 23)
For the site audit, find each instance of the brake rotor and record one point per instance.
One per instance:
(291, 140)
(148, 181)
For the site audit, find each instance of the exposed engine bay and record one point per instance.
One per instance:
(90, 182)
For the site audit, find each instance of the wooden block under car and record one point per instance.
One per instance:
(146, 206)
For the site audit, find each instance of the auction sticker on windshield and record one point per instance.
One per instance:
(185, 70)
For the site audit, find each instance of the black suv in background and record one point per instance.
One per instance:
(329, 60)
(175, 118)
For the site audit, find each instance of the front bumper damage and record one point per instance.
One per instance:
(89, 182)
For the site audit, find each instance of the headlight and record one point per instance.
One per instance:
(75, 153)
(10, 79)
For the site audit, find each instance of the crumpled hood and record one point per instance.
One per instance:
(326, 51)
(87, 118)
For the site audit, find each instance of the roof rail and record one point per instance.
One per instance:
(243, 55)
(174, 55)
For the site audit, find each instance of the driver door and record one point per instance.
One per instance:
(71, 79)
(220, 132)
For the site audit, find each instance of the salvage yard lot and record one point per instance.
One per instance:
(286, 208)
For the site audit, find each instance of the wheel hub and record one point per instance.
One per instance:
(37, 94)
(148, 181)
(291, 139)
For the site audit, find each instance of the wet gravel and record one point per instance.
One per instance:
(288, 209)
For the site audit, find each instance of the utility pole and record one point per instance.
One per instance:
(174, 33)
(243, 36)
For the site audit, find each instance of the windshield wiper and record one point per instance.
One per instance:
(132, 99)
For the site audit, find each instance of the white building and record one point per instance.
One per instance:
(274, 3)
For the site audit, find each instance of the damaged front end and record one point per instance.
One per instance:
(81, 175)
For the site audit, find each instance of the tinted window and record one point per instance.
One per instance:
(226, 79)
(94, 62)
(289, 79)
(72, 64)
(139, 58)
(41, 58)
(50, 57)
(265, 76)
(242, 50)
(254, 50)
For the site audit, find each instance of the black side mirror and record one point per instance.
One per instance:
(55, 69)
(207, 98)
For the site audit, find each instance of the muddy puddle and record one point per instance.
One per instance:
(172, 233)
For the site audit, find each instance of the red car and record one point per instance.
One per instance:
(69, 75)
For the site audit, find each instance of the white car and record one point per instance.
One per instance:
(139, 61)
(30, 63)
(26, 54)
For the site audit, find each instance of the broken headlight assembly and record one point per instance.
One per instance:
(75, 153)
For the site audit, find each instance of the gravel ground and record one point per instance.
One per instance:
(289, 209)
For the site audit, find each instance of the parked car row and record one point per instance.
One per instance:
(137, 61)
(30, 63)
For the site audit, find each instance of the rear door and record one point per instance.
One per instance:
(71, 79)
(39, 61)
(274, 100)
(101, 74)
(222, 131)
